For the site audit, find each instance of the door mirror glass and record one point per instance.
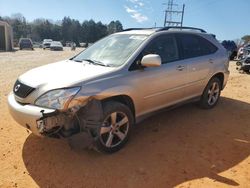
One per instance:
(151, 60)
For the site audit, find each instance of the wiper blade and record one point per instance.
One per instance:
(95, 62)
(76, 60)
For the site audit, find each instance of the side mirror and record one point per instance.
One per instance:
(151, 60)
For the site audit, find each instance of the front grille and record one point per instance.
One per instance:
(22, 90)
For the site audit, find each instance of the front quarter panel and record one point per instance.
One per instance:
(115, 85)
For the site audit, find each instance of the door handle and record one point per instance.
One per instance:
(180, 68)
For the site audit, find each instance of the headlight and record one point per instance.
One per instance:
(57, 99)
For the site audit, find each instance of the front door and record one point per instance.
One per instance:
(161, 86)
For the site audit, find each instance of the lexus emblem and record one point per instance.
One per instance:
(17, 87)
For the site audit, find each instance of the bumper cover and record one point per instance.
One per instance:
(27, 115)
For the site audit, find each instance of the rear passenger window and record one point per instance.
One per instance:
(195, 46)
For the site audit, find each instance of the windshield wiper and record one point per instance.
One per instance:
(76, 60)
(94, 62)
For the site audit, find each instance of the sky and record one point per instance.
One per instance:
(227, 19)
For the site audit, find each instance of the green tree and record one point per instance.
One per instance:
(66, 25)
(20, 27)
(114, 26)
(92, 31)
(65, 30)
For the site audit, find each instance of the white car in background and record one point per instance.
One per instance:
(56, 45)
(46, 43)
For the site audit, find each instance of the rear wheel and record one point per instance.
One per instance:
(211, 94)
(116, 127)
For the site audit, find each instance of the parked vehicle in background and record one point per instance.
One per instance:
(25, 43)
(247, 49)
(56, 46)
(102, 92)
(243, 65)
(46, 43)
(247, 46)
(37, 45)
(243, 52)
(83, 44)
(240, 53)
(231, 47)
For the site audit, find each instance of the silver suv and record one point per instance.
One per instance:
(103, 91)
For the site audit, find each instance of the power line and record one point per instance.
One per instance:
(170, 12)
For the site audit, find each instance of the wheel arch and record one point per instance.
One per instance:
(124, 99)
(220, 76)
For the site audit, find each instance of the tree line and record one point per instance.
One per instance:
(69, 29)
(64, 30)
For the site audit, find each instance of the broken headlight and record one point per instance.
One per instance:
(57, 99)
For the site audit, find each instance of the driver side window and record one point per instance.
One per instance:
(165, 46)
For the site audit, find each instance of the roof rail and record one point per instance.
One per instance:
(182, 28)
(130, 29)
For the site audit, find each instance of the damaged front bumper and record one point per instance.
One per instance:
(54, 123)
(29, 116)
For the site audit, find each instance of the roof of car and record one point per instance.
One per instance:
(24, 39)
(149, 31)
(139, 31)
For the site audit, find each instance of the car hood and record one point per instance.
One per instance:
(62, 74)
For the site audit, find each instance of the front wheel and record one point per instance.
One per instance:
(116, 127)
(211, 94)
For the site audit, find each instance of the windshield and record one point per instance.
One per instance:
(113, 50)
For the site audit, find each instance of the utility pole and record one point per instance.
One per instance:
(172, 15)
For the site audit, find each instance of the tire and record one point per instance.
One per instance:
(211, 94)
(111, 136)
(238, 63)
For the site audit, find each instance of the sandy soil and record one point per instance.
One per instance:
(184, 147)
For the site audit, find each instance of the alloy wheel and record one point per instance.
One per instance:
(213, 93)
(114, 129)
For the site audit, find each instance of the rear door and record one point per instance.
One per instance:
(199, 56)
